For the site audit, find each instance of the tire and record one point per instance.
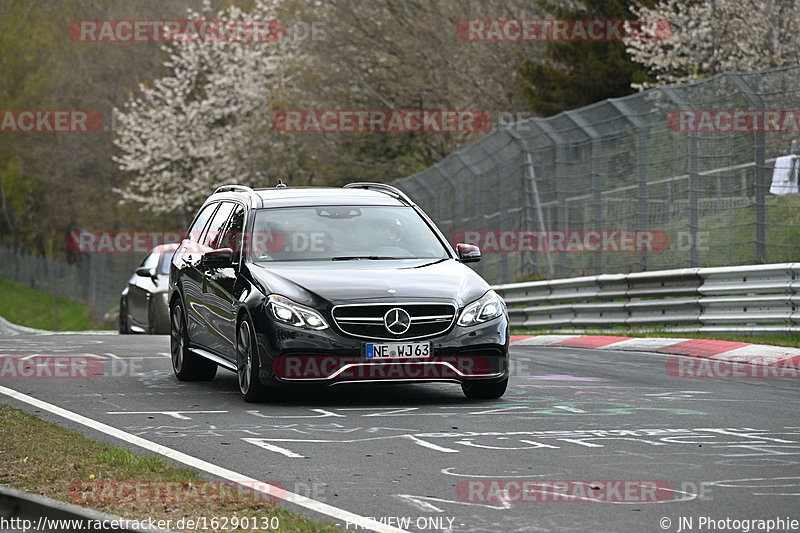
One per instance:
(154, 325)
(247, 364)
(187, 366)
(477, 390)
(123, 318)
(151, 325)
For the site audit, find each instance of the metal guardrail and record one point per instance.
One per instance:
(753, 298)
(22, 512)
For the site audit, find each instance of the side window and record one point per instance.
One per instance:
(217, 224)
(233, 236)
(200, 222)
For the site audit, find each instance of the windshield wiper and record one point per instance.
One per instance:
(371, 257)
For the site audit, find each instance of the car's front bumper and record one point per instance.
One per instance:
(328, 357)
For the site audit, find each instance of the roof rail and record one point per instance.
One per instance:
(381, 187)
(239, 188)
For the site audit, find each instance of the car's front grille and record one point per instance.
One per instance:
(368, 320)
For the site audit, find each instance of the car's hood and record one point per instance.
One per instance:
(341, 281)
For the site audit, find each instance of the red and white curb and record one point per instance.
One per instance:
(740, 352)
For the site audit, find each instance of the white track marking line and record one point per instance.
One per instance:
(230, 475)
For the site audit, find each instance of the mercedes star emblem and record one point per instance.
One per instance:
(397, 321)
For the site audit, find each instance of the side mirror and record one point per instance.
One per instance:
(146, 272)
(220, 258)
(468, 253)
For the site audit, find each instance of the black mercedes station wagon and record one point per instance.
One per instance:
(313, 285)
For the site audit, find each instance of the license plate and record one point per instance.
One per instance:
(398, 350)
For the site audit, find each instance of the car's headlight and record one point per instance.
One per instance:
(286, 311)
(489, 306)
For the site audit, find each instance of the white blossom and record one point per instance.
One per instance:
(200, 125)
(713, 36)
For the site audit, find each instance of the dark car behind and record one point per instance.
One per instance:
(144, 305)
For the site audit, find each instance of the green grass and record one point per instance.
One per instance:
(728, 238)
(46, 459)
(37, 309)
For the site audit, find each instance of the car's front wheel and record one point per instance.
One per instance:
(187, 366)
(247, 364)
(479, 390)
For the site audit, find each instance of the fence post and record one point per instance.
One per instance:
(502, 206)
(694, 186)
(760, 161)
(642, 192)
(560, 176)
(694, 178)
(598, 262)
(532, 194)
(478, 202)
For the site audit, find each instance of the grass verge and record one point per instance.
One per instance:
(42, 458)
(37, 309)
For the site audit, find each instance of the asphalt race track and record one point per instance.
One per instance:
(715, 448)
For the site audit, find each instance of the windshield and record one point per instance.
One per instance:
(166, 259)
(342, 233)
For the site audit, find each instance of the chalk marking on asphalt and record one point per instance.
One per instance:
(205, 466)
(449, 472)
(36, 355)
(173, 414)
(322, 413)
(568, 408)
(760, 437)
(733, 483)
(271, 447)
(582, 443)
(430, 445)
(423, 503)
(384, 411)
(412, 438)
(534, 445)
